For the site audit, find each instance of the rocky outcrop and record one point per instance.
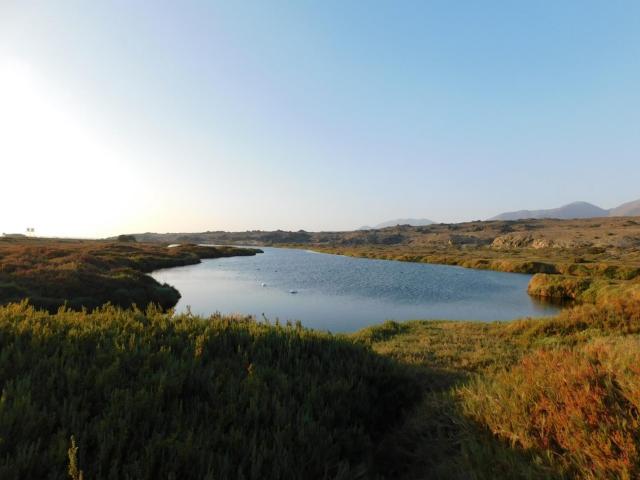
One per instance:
(515, 241)
(520, 240)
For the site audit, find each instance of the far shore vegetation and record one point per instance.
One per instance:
(114, 392)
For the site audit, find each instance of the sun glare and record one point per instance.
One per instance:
(56, 170)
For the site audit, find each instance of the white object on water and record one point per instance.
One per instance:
(293, 291)
(263, 284)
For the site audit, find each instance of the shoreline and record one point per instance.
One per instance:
(77, 274)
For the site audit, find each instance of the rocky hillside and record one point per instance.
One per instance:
(605, 232)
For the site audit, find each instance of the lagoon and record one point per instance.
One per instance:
(344, 294)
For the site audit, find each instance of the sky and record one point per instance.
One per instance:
(132, 116)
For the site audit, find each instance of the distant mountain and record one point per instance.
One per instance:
(416, 222)
(572, 210)
(629, 209)
(575, 210)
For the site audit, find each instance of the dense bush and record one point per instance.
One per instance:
(147, 395)
(558, 286)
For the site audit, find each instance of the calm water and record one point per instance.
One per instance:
(344, 294)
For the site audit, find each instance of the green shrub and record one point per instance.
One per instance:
(147, 395)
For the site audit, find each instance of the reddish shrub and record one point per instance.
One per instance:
(578, 408)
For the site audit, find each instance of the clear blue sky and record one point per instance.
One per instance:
(188, 116)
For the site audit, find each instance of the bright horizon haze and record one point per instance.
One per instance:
(121, 117)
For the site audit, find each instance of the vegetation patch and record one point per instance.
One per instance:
(87, 274)
(147, 395)
(578, 409)
(381, 332)
(545, 398)
(558, 287)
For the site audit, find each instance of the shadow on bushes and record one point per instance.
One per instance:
(147, 395)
